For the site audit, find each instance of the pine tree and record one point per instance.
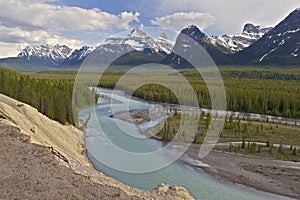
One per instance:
(226, 126)
(243, 143)
(280, 148)
(231, 122)
(268, 143)
(208, 119)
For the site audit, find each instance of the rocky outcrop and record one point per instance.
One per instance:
(178, 193)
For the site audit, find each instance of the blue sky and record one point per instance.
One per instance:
(146, 8)
(88, 22)
(150, 9)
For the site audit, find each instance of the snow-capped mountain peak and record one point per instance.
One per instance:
(112, 47)
(280, 46)
(136, 32)
(139, 41)
(232, 44)
(194, 32)
(163, 35)
(255, 30)
(51, 55)
(165, 44)
(77, 56)
(80, 54)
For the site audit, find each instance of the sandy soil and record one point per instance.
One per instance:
(105, 99)
(42, 159)
(266, 174)
(136, 117)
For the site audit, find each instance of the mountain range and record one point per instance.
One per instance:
(280, 46)
(232, 44)
(256, 45)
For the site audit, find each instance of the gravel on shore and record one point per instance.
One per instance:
(261, 173)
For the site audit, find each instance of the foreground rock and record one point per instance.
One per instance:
(41, 159)
(179, 193)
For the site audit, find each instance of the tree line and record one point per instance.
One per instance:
(51, 97)
(270, 97)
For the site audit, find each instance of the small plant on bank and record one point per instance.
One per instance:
(2, 117)
(294, 151)
(268, 143)
(259, 148)
(230, 146)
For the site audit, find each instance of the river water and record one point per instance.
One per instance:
(180, 173)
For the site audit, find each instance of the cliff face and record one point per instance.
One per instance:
(43, 131)
(42, 159)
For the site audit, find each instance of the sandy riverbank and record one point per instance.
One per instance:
(265, 174)
(40, 158)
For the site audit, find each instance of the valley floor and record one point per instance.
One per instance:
(262, 173)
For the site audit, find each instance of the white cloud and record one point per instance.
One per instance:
(12, 40)
(40, 14)
(179, 20)
(35, 37)
(231, 15)
(10, 49)
(36, 22)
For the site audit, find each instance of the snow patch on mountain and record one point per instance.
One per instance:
(51, 55)
(140, 41)
(291, 31)
(165, 44)
(80, 54)
(135, 44)
(234, 43)
(136, 32)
